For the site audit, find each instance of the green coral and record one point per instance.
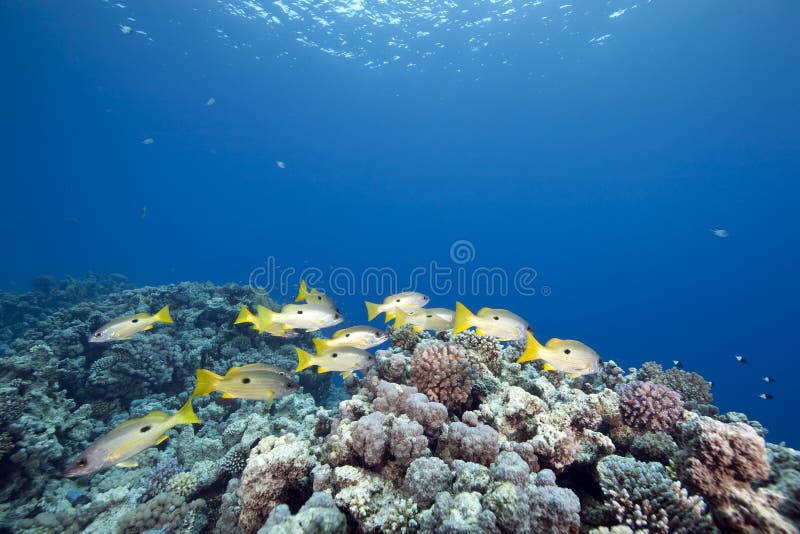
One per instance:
(183, 484)
(402, 519)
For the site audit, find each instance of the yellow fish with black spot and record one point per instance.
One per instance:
(436, 319)
(341, 359)
(308, 317)
(407, 300)
(274, 329)
(126, 327)
(129, 439)
(314, 296)
(257, 381)
(362, 337)
(496, 322)
(565, 355)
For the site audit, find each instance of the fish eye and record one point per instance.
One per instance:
(82, 462)
(134, 320)
(337, 316)
(496, 318)
(97, 334)
(245, 380)
(567, 351)
(334, 355)
(299, 312)
(319, 297)
(144, 429)
(530, 328)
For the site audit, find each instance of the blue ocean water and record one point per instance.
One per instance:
(582, 151)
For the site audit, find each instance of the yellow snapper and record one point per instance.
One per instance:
(502, 324)
(129, 439)
(565, 355)
(257, 381)
(314, 296)
(436, 319)
(308, 317)
(274, 329)
(407, 300)
(362, 337)
(126, 327)
(342, 359)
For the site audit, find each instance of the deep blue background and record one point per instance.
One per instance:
(603, 170)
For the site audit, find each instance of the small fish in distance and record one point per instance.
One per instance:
(720, 233)
(768, 379)
(741, 359)
(678, 364)
(766, 396)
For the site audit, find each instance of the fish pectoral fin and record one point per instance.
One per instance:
(321, 370)
(417, 328)
(548, 367)
(227, 396)
(161, 439)
(346, 374)
(128, 464)
(148, 327)
(480, 332)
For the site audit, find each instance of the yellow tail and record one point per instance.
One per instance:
(185, 415)
(206, 382)
(320, 344)
(246, 316)
(531, 350)
(463, 318)
(303, 359)
(302, 293)
(400, 319)
(163, 315)
(373, 310)
(265, 318)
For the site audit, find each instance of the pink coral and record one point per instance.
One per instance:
(443, 372)
(721, 460)
(649, 406)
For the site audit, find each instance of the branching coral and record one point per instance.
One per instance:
(443, 372)
(649, 406)
(642, 496)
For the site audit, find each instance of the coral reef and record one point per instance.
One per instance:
(441, 435)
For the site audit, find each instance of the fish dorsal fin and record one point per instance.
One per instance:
(548, 367)
(322, 370)
(552, 343)
(480, 332)
(162, 439)
(227, 396)
(157, 414)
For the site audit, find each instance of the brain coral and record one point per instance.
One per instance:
(649, 406)
(443, 372)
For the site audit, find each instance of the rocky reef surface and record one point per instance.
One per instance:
(443, 434)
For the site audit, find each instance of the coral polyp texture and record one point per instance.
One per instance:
(443, 434)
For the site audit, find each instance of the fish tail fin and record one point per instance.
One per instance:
(265, 317)
(373, 310)
(320, 344)
(186, 414)
(303, 359)
(245, 316)
(400, 318)
(162, 316)
(463, 318)
(206, 382)
(531, 350)
(302, 293)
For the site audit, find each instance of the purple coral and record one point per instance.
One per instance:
(478, 444)
(649, 406)
(369, 440)
(399, 399)
(443, 372)
(377, 436)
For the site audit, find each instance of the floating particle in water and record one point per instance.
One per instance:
(720, 232)
(143, 212)
(125, 29)
(678, 364)
(211, 101)
(741, 359)
(766, 396)
(280, 164)
(148, 141)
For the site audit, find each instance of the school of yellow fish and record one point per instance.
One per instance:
(344, 352)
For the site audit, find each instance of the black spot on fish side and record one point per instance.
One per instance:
(398, 300)
(144, 429)
(245, 380)
(429, 316)
(299, 312)
(334, 355)
(567, 351)
(496, 318)
(134, 320)
(347, 335)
